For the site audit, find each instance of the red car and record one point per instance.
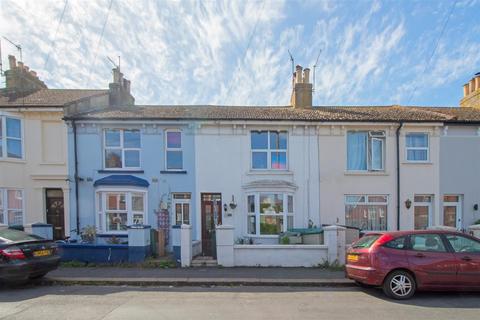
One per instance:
(405, 261)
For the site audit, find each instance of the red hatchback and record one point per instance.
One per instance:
(405, 261)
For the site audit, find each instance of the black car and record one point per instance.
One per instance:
(25, 256)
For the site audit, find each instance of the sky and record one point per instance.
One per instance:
(237, 52)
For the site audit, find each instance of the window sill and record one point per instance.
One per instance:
(173, 172)
(13, 160)
(270, 172)
(120, 171)
(418, 162)
(53, 163)
(366, 173)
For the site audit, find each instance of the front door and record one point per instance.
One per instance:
(452, 211)
(211, 216)
(422, 211)
(55, 213)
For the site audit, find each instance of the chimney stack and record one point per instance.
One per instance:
(119, 90)
(471, 93)
(20, 80)
(302, 88)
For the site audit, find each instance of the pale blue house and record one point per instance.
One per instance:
(125, 171)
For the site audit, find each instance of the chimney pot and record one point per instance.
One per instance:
(465, 89)
(298, 74)
(477, 82)
(20, 65)
(12, 61)
(33, 73)
(306, 75)
(472, 85)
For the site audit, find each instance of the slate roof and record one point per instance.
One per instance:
(49, 98)
(287, 113)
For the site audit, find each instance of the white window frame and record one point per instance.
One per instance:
(122, 148)
(428, 204)
(167, 149)
(4, 138)
(182, 202)
(101, 207)
(370, 137)
(366, 201)
(269, 151)
(285, 214)
(458, 207)
(427, 148)
(4, 205)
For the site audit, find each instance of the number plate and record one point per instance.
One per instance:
(352, 258)
(42, 253)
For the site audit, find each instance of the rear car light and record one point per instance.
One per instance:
(13, 253)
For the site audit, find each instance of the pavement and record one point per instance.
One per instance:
(207, 276)
(232, 303)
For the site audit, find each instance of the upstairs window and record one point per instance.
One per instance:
(417, 148)
(11, 138)
(365, 150)
(173, 150)
(269, 150)
(122, 149)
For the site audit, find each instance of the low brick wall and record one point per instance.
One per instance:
(113, 253)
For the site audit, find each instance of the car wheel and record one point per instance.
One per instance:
(399, 285)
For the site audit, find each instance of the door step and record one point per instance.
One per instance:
(204, 262)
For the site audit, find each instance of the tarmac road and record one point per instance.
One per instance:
(245, 303)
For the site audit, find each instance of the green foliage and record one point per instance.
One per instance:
(477, 222)
(88, 234)
(285, 240)
(335, 266)
(147, 264)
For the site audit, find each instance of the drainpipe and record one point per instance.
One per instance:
(398, 173)
(75, 175)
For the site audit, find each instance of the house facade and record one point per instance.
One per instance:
(34, 184)
(266, 170)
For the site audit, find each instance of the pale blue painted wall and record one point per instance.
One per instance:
(90, 166)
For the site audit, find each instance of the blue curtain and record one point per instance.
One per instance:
(357, 151)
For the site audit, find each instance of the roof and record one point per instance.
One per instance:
(286, 113)
(121, 180)
(49, 98)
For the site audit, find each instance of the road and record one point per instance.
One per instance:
(101, 302)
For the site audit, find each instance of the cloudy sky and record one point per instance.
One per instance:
(236, 52)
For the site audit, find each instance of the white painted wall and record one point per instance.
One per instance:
(223, 165)
(44, 164)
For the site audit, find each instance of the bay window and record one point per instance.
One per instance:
(11, 207)
(269, 150)
(118, 209)
(11, 144)
(122, 149)
(269, 213)
(365, 150)
(173, 150)
(417, 149)
(366, 212)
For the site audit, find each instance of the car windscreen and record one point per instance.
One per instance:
(11, 235)
(366, 241)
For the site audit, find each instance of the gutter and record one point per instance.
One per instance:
(397, 136)
(75, 176)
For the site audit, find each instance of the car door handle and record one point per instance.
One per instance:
(420, 255)
(466, 259)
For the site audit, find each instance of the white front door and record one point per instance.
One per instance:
(452, 211)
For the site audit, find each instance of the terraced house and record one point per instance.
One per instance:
(265, 170)
(34, 183)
